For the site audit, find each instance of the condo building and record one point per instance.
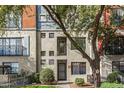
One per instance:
(18, 44)
(57, 52)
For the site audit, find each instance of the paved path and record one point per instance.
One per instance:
(63, 85)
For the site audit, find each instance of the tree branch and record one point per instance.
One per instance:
(95, 33)
(60, 23)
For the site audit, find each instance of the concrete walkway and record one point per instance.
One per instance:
(63, 85)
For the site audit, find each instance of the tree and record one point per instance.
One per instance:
(80, 19)
(8, 13)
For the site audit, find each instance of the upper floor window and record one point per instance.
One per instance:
(14, 46)
(51, 61)
(13, 21)
(117, 15)
(81, 41)
(51, 53)
(43, 62)
(43, 35)
(61, 46)
(115, 47)
(51, 35)
(43, 53)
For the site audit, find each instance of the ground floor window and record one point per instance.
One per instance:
(118, 66)
(14, 67)
(78, 68)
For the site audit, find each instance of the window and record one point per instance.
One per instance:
(15, 46)
(51, 62)
(51, 35)
(51, 53)
(14, 67)
(43, 53)
(81, 41)
(117, 16)
(43, 35)
(13, 22)
(78, 68)
(115, 47)
(61, 46)
(43, 62)
(118, 66)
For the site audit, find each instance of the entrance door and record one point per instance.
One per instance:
(62, 70)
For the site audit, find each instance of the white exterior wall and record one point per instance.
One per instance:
(50, 44)
(27, 63)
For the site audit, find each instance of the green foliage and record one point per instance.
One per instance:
(111, 85)
(6, 13)
(113, 77)
(34, 78)
(47, 76)
(79, 81)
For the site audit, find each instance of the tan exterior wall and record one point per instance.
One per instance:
(50, 44)
(27, 63)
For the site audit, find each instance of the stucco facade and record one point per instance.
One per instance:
(50, 44)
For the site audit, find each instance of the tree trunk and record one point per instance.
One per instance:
(96, 75)
(96, 78)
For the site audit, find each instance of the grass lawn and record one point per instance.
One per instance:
(38, 86)
(111, 85)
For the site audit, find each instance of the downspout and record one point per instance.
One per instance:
(38, 39)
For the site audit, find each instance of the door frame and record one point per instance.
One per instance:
(64, 62)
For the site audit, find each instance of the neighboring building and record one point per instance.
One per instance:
(57, 53)
(113, 56)
(18, 44)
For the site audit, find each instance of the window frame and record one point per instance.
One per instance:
(51, 34)
(43, 52)
(118, 63)
(51, 52)
(8, 47)
(59, 39)
(43, 35)
(115, 47)
(53, 61)
(79, 63)
(10, 64)
(74, 38)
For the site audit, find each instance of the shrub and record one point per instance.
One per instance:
(79, 81)
(34, 78)
(113, 77)
(47, 76)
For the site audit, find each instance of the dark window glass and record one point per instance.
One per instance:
(51, 62)
(43, 62)
(14, 67)
(81, 41)
(115, 47)
(13, 46)
(118, 66)
(51, 53)
(78, 68)
(43, 53)
(51, 35)
(61, 46)
(43, 35)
